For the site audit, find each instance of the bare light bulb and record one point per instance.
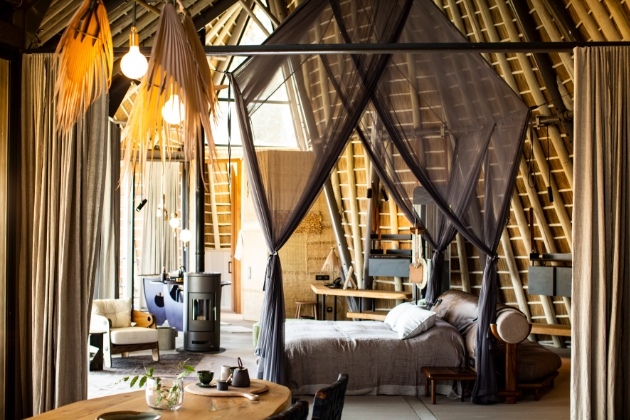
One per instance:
(174, 222)
(173, 110)
(133, 64)
(185, 235)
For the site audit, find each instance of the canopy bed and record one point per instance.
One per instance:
(441, 120)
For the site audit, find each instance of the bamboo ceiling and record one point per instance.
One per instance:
(479, 21)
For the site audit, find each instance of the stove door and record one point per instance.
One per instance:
(201, 311)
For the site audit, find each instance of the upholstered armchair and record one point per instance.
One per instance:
(125, 330)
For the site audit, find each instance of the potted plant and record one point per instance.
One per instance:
(162, 394)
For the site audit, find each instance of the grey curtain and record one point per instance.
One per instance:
(107, 274)
(63, 181)
(600, 371)
(285, 186)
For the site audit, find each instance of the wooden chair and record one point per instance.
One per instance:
(328, 403)
(298, 411)
(114, 317)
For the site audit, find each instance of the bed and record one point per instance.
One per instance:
(377, 361)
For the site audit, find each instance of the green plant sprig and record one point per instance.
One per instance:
(169, 395)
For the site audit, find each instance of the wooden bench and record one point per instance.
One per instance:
(552, 329)
(433, 374)
(540, 384)
(375, 316)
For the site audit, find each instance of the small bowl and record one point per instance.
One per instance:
(222, 385)
(205, 376)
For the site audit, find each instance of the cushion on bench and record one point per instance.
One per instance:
(533, 361)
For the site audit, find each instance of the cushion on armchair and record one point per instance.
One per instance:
(134, 335)
(118, 311)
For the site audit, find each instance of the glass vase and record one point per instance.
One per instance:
(165, 394)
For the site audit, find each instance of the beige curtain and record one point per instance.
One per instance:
(107, 274)
(62, 190)
(160, 180)
(600, 369)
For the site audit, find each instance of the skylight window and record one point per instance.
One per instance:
(272, 123)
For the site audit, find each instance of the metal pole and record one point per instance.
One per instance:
(185, 199)
(131, 254)
(402, 48)
(199, 207)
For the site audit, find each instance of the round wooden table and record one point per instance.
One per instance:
(277, 399)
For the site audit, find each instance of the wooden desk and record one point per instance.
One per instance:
(320, 289)
(277, 399)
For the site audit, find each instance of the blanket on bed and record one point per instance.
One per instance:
(373, 356)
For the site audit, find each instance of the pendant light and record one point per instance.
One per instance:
(134, 65)
(173, 110)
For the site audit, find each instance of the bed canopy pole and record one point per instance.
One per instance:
(400, 48)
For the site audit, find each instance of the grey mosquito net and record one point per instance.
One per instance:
(442, 121)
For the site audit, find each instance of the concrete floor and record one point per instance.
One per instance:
(554, 403)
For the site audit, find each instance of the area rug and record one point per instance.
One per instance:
(235, 329)
(135, 365)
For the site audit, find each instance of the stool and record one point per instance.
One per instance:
(433, 374)
(306, 304)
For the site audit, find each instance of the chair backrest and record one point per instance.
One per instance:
(298, 411)
(328, 403)
(117, 310)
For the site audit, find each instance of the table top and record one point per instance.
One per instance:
(445, 373)
(320, 289)
(277, 399)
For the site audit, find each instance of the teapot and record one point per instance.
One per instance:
(240, 378)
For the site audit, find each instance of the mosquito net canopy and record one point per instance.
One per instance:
(443, 122)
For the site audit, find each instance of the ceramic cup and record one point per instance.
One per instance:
(222, 385)
(225, 372)
(205, 376)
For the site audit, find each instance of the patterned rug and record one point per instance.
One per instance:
(135, 365)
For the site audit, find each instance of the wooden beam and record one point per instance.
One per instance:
(517, 285)
(228, 16)
(493, 35)
(553, 32)
(253, 17)
(558, 202)
(536, 92)
(212, 12)
(620, 17)
(354, 215)
(558, 330)
(463, 262)
(213, 207)
(603, 19)
(587, 21)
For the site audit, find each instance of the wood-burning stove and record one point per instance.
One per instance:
(202, 311)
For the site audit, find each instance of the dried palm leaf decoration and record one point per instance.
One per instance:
(84, 58)
(173, 70)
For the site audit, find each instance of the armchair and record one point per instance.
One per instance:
(125, 330)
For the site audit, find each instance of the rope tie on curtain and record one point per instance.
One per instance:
(271, 255)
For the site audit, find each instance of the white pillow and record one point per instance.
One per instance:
(393, 315)
(413, 322)
(117, 310)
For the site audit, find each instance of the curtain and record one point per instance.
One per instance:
(159, 243)
(107, 274)
(601, 235)
(442, 120)
(285, 183)
(63, 179)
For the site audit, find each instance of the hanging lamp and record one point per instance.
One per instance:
(133, 64)
(173, 98)
(84, 59)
